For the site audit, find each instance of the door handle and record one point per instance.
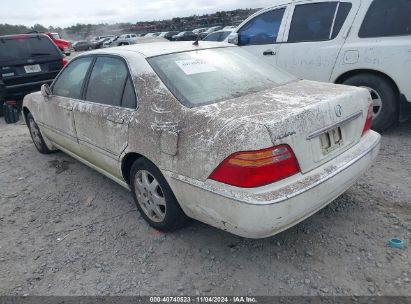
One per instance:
(269, 53)
(68, 108)
(116, 120)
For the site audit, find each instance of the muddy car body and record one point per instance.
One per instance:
(190, 140)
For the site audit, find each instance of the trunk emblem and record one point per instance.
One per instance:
(338, 110)
(30, 60)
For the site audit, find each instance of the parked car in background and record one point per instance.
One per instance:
(229, 28)
(64, 45)
(248, 172)
(185, 36)
(82, 46)
(99, 43)
(108, 42)
(125, 39)
(27, 62)
(218, 36)
(209, 31)
(363, 43)
(138, 40)
(97, 38)
(152, 34)
(200, 30)
(168, 35)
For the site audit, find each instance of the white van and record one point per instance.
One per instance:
(355, 42)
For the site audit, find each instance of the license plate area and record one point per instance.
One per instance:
(35, 68)
(331, 141)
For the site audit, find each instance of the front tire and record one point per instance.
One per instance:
(154, 198)
(36, 135)
(384, 96)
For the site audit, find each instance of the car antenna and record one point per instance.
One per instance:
(196, 43)
(35, 32)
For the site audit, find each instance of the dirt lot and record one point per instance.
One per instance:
(67, 230)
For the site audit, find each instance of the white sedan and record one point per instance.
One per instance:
(208, 132)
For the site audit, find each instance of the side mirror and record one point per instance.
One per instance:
(45, 90)
(233, 38)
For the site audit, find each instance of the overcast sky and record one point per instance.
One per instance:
(68, 12)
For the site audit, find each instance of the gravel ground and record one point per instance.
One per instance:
(67, 230)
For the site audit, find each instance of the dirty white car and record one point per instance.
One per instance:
(208, 132)
(364, 43)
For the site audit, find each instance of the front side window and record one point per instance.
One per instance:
(312, 22)
(70, 82)
(107, 81)
(208, 76)
(262, 29)
(387, 18)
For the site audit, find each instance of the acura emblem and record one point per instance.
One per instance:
(30, 60)
(338, 110)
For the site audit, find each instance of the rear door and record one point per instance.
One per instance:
(263, 33)
(102, 118)
(314, 36)
(28, 61)
(56, 115)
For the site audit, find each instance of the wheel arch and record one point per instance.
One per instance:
(26, 112)
(343, 77)
(127, 163)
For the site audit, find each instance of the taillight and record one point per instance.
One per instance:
(368, 121)
(257, 168)
(65, 61)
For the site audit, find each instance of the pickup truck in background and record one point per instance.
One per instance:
(64, 45)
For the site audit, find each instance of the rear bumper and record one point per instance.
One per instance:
(18, 91)
(266, 211)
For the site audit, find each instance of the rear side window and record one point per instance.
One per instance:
(107, 81)
(312, 22)
(26, 47)
(387, 18)
(262, 29)
(70, 82)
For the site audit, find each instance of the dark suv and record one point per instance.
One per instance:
(27, 62)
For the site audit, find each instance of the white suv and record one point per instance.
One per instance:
(355, 42)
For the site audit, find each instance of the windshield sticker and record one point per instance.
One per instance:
(195, 66)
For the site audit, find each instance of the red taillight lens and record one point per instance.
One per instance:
(257, 168)
(65, 61)
(368, 121)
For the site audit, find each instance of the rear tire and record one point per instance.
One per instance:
(385, 99)
(36, 135)
(154, 198)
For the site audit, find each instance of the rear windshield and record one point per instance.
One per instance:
(25, 47)
(209, 76)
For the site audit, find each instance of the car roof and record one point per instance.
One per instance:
(24, 35)
(148, 50)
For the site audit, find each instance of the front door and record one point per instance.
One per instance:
(261, 34)
(103, 117)
(314, 37)
(57, 117)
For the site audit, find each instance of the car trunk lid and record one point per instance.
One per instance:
(318, 121)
